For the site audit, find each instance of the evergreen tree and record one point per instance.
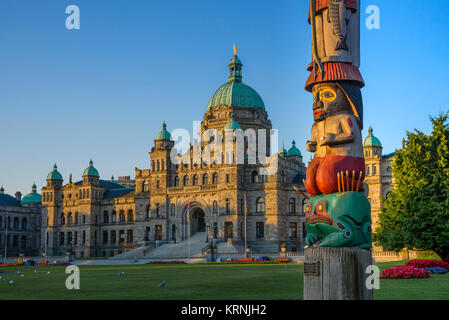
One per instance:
(416, 214)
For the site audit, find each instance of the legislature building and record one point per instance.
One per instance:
(96, 217)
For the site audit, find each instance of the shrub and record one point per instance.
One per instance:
(283, 259)
(404, 272)
(421, 263)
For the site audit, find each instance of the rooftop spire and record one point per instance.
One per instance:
(235, 68)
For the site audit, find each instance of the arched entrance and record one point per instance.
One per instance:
(197, 222)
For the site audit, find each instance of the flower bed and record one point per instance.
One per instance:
(247, 262)
(424, 263)
(283, 259)
(404, 272)
(55, 263)
(166, 262)
(437, 270)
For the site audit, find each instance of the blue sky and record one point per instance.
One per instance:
(103, 91)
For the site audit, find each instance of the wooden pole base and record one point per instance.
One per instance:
(337, 274)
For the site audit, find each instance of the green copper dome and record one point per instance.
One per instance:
(371, 140)
(54, 174)
(164, 134)
(33, 197)
(235, 93)
(293, 151)
(91, 171)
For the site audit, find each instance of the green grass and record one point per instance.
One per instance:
(197, 282)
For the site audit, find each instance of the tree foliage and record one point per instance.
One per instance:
(416, 213)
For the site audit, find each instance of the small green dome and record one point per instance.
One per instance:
(371, 140)
(293, 151)
(91, 171)
(33, 197)
(164, 134)
(54, 174)
(235, 93)
(232, 124)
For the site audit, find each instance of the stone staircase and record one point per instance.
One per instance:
(180, 250)
(233, 248)
(136, 253)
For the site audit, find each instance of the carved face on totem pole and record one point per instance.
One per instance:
(328, 99)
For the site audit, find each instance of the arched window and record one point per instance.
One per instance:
(215, 208)
(254, 177)
(105, 217)
(145, 186)
(158, 165)
(76, 218)
(122, 216)
(24, 223)
(283, 176)
(114, 216)
(195, 180)
(172, 210)
(260, 205)
(130, 216)
(69, 218)
(148, 211)
(228, 205)
(292, 205)
(176, 181)
(158, 210)
(215, 178)
(205, 178)
(185, 180)
(162, 165)
(367, 170)
(374, 170)
(62, 218)
(389, 171)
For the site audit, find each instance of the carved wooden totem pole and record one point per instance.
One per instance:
(338, 218)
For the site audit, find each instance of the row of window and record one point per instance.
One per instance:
(196, 179)
(15, 224)
(17, 241)
(260, 207)
(374, 170)
(112, 237)
(106, 217)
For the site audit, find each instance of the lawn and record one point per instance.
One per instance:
(194, 282)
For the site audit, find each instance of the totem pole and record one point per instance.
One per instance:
(338, 219)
